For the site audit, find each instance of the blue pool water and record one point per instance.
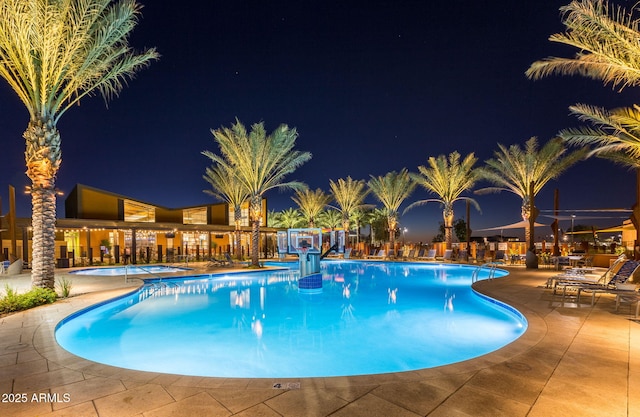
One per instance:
(370, 318)
(130, 270)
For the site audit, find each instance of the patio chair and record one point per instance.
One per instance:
(580, 276)
(447, 257)
(463, 255)
(608, 282)
(480, 256)
(498, 257)
(430, 256)
(380, 255)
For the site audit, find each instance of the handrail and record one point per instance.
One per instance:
(492, 271)
(126, 270)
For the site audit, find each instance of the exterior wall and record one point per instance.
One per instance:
(96, 205)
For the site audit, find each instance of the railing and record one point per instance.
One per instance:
(475, 276)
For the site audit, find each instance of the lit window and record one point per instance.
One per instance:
(194, 216)
(138, 212)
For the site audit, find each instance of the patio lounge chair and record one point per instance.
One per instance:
(463, 256)
(380, 255)
(430, 256)
(498, 257)
(447, 257)
(581, 276)
(608, 282)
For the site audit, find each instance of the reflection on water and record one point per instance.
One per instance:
(254, 325)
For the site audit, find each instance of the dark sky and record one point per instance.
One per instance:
(371, 86)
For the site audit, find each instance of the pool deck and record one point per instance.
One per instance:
(573, 360)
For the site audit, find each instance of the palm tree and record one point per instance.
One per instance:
(391, 190)
(226, 187)
(53, 54)
(311, 204)
(291, 218)
(329, 219)
(608, 50)
(514, 170)
(448, 178)
(260, 163)
(606, 42)
(349, 195)
(616, 133)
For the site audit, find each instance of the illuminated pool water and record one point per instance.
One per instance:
(370, 318)
(129, 270)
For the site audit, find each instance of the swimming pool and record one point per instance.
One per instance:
(370, 318)
(129, 270)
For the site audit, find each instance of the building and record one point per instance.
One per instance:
(101, 226)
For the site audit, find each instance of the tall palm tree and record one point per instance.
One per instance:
(391, 190)
(615, 135)
(608, 50)
(311, 203)
(514, 169)
(448, 178)
(606, 40)
(349, 194)
(226, 187)
(53, 54)
(260, 162)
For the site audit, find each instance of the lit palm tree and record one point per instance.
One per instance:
(53, 54)
(608, 50)
(391, 190)
(226, 187)
(260, 163)
(616, 133)
(291, 218)
(448, 178)
(514, 169)
(329, 219)
(606, 40)
(311, 204)
(349, 194)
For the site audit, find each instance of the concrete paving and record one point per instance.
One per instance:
(573, 360)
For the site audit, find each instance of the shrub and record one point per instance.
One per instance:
(65, 287)
(12, 301)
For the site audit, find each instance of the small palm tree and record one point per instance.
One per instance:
(391, 190)
(448, 178)
(53, 54)
(349, 194)
(291, 218)
(514, 170)
(311, 204)
(330, 219)
(226, 187)
(260, 162)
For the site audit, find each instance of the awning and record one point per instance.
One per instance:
(519, 225)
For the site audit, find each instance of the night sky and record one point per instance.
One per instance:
(371, 86)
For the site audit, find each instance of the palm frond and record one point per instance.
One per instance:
(606, 39)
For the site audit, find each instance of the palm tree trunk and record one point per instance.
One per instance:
(43, 158)
(43, 223)
(255, 241)
(447, 215)
(238, 241)
(256, 209)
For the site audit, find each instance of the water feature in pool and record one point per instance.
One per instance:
(370, 318)
(129, 270)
